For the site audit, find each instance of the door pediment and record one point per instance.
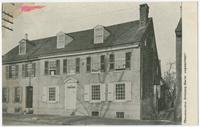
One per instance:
(70, 80)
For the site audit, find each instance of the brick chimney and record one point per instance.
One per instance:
(144, 12)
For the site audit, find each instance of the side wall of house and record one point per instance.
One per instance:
(150, 73)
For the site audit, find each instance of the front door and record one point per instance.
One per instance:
(70, 96)
(29, 97)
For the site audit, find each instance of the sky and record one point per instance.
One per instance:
(70, 17)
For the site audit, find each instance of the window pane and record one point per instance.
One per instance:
(96, 92)
(120, 91)
(120, 114)
(52, 94)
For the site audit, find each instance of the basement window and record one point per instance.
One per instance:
(120, 114)
(95, 113)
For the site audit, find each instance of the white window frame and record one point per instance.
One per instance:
(51, 101)
(95, 101)
(123, 91)
(98, 34)
(114, 89)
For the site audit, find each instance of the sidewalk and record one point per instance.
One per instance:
(29, 119)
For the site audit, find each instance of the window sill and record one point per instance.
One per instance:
(95, 101)
(52, 102)
(120, 101)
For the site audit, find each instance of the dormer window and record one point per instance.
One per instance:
(22, 47)
(100, 34)
(63, 40)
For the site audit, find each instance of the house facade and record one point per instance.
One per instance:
(108, 71)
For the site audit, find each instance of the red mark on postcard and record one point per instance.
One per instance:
(28, 8)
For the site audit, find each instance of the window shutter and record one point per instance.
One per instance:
(46, 67)
(87, 93)
(102, 91)
(110, 91)
(26, 70)
(44, 94)
(7, 72)
(13, 95)
(23, 70)
(57, 94)
(16, 70)
(7, 95)
(128, 91)
(65, 66)
(33, 69)
(57, 67)
(21, 94)
(77, 65)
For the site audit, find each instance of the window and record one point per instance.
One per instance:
(98, 34)
(28, 70)
(128, 60)
(95, 113)
(71, 66)
(52, 67)
(60, 40)
(120, 91)
(112, 61)
(120, 114)
(52, 93)
(77, 65)
(88, 64)
(65, 66)
(95, 92)
(17, 94)
(22, 47)
(103, 68)
(5, 95)
(12, 71)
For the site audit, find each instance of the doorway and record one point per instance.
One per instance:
(29, 97)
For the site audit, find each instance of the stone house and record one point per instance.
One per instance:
(107, 71)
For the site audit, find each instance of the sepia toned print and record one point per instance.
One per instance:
(100, 75)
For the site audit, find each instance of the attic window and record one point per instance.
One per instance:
(22, 47)
(63, 40)
(98, 34)
(60, 40)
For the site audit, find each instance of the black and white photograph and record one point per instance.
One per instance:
(93, 63)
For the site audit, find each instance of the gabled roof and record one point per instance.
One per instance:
(120, 34)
